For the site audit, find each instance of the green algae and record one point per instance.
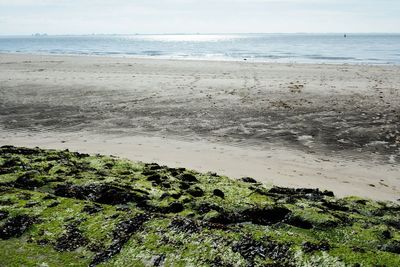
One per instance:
(81, 210)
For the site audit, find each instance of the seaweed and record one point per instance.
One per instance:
(64, 208)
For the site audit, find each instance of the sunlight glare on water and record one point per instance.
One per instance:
(300, 48)
(187, 37)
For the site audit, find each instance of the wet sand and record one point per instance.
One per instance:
(334, 127)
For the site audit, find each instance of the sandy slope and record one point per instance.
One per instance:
(328, 126)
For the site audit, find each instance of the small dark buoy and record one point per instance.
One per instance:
(345, 36)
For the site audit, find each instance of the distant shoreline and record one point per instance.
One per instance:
(204, 33)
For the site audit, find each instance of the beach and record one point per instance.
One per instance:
(332, 127)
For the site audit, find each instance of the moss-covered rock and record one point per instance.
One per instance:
(61, 208)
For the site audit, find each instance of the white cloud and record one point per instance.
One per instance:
(124, 16)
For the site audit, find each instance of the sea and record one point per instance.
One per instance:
(348, 48)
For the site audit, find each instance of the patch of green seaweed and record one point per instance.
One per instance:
(60, 208)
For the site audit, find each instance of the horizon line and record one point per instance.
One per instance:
(43, 34)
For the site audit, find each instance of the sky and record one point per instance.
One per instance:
(20, 17)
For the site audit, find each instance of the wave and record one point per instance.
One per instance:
(306, 48)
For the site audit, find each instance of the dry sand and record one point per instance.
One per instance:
(334, 127)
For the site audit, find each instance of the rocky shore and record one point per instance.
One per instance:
(62, 208)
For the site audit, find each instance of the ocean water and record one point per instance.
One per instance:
(300, 48)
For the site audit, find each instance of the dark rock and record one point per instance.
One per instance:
(393, 223)
(226, 218)
(379, 212)
(218, 262)
(184, 225)
(188, 177)
(385, 209)
(204, 208)
(102, 193)
(49, 197)
(114, 216)
(184, 186)
(164, 195)
(123, 208)
(386, 234)
(173, 172)
(175, 207)
(155, 178)
(186, 200)
(148, 172)
(300, 222)
(43, 242)
(344, 218)
(53, 204)
(335, 206)
(176, 195)
(19, 150)
(266, 216)
(328, 193)
(158, 260)
(60, 171)
(96, 247)
(218, 193)
(4, 170)
(115, 196)
(121, 235)
(361, 201)
(31, 204)
(109, 165)
(153, 166)
(261, 216)
(250, 249)
(53, 157)
(102, 173)
(82, 155)
(259, 190)
(92, 209)
(166, 185)
(9, 163)
(6, 202)
(358, 249)
(176, 171)
(248, 180)
(212, 226)
(392, 247)
(282, 190)
(71, 240)
(3, 214)
(311, 247)
(299, 193)
(196, 192)
(16, 226)
(289, 200)
(28, 181)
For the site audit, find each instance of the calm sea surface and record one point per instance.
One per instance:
(302, 48)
